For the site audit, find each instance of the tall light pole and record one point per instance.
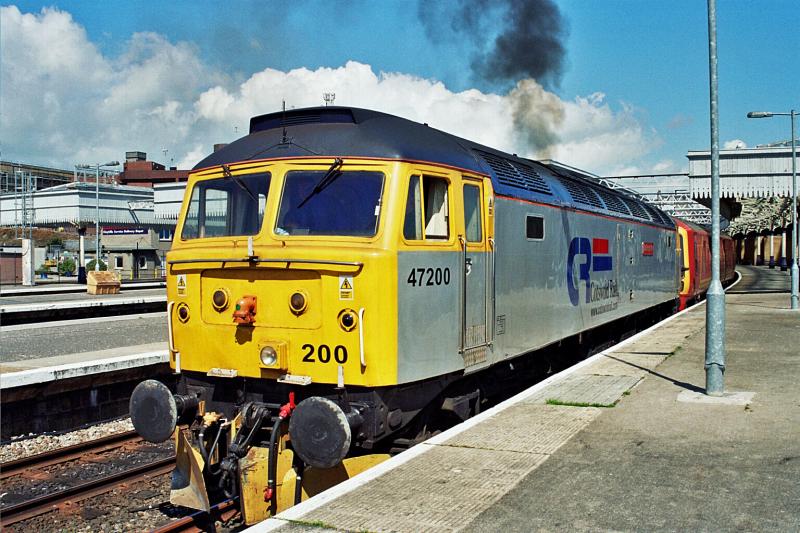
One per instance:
(795, 298)
(715, 297)
(97, 207)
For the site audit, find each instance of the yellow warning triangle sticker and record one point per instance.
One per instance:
(346, 285)
(181, 282)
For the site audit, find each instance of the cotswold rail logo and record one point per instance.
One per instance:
(591, 256)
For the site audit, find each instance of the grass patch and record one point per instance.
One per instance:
(675, 351)
(313, 523)
(553, 401)
(320, 524)
(626, 393)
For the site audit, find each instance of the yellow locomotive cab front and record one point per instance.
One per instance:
(269, 279)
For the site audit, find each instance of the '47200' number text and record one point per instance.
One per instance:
(428, 277)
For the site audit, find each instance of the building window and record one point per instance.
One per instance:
(534, 227)
(142, 262)
(165, 234)
(118, 262)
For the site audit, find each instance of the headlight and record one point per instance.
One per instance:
(269, 356)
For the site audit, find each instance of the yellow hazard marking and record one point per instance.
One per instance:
(346, 287)
(181, 284)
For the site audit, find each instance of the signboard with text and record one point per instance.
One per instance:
(124, 231)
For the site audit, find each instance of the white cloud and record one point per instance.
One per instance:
(734, 144)
(64, 102)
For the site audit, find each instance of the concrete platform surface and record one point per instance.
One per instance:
(25, 342)
(560, 457)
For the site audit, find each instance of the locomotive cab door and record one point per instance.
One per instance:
(477, 272)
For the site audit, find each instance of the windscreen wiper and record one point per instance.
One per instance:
(238, 181)
(329, 177)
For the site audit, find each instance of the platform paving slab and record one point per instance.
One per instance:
(586, 389)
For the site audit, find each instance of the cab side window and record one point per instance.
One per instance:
(472, 213)
(427, 213)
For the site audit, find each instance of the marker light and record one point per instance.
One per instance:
(220, 299)
(347, 319)
(268, 356)
(298, 303)
(183, 312)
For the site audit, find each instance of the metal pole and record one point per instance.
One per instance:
(715, 308)
(97, 216)
(795, 296)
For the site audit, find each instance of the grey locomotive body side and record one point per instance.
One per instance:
(532, 306)
(534, 277)
(579, 270)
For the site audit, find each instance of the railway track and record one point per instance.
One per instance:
(29, 508)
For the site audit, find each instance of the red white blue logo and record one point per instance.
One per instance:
(590, 256)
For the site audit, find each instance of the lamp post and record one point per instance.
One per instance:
(97, 207)
(795, 298)
(715, 296)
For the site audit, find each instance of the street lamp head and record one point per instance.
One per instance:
(759, 114)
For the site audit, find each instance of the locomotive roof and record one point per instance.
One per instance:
(353, 132)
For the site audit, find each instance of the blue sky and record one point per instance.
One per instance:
(636, 70)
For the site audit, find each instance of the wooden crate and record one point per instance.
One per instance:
(102, 282)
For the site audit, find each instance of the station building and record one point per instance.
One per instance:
(132, 240)
(759, 180)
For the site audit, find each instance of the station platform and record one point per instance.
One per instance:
(43, 343)
(82, 298)
(624, 441)
(46, 307)
(41, 370)
(65, 288)
(63, 392)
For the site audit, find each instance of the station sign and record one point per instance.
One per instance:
(124, 231)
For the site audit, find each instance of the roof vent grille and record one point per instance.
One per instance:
(581, 193)
(612, 201)
(637, 208)
(515, 174)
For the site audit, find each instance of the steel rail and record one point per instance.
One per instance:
(224, 511)
(67, 453)
(49, 502)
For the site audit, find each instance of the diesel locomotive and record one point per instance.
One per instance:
(339, 274)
